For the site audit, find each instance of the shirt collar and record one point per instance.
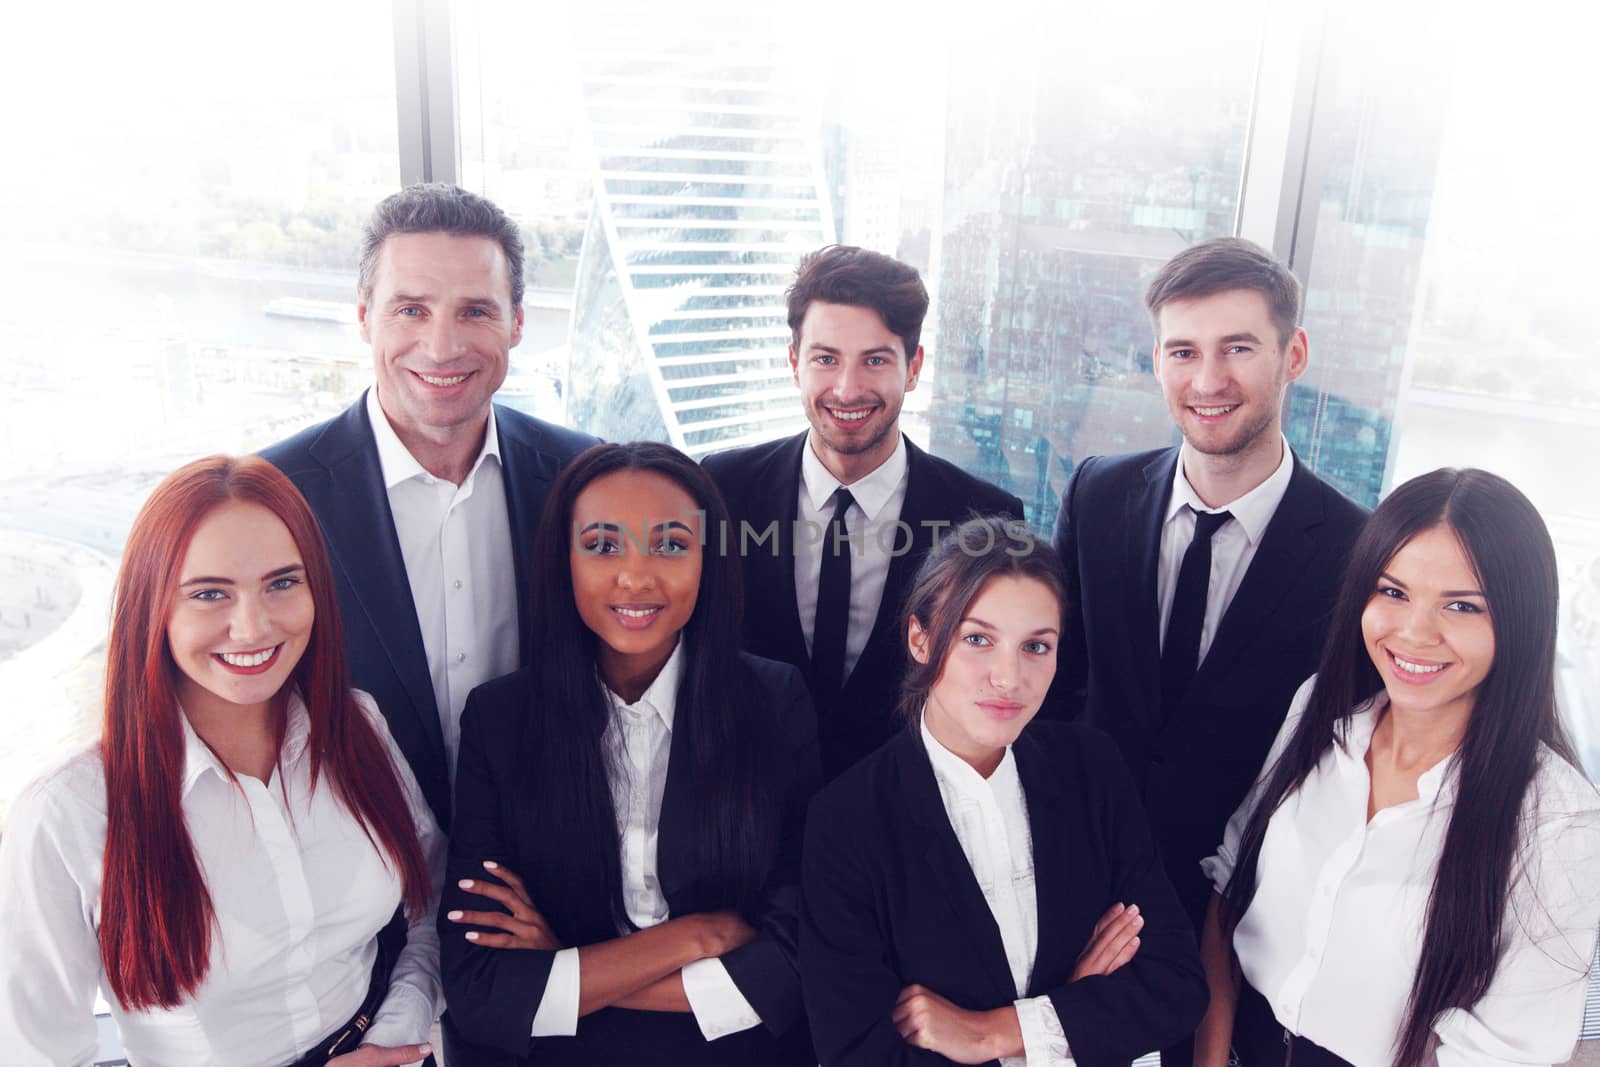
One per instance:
(1253, 511)
(871, 491)
(396, 461)
(1436, 783)
(662, 695)
(199, 759)
(958, 774)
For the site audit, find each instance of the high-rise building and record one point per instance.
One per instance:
(1060, 202)
(709, 188)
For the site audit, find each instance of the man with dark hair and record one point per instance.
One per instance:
(832, 524)
(1201, 577)
(427, 492)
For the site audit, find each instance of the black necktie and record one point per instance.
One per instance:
(832, 622)
(1180, 651)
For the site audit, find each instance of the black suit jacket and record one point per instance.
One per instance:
(335, 466)
(890, 900)
(494, 993)
(1193, 769)
(762, 487)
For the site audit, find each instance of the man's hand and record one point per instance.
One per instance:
(382, 1056)
(1113, 943)
(524, 927)
(927, 1020)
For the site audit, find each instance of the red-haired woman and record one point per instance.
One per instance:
(227, 860)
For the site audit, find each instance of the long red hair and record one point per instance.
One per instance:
(155, 911)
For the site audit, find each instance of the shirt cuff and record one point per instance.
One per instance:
(718, 1006)
(557, 1015)
(403, 1019)
(1044, 1043)
(1218, 870)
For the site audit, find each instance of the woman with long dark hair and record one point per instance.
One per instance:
(1415, 878)
(625, 847)
(226, 862)
(980, 888)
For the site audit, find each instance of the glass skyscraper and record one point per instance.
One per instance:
(709, 188)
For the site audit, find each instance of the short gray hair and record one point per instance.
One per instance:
(434, 207)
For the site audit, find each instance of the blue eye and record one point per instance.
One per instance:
(280, 584)
(976, 640)
(208, 595)
(1038, 648)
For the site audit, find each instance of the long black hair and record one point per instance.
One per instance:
(1509, 549)
(952, 576)
(734, 817)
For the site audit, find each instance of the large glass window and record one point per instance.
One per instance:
(184, 196)
(1499, 334)
(185, 212)
(1078, 158)
(1037, 179)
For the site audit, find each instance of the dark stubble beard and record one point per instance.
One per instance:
(890, 425)
(1240, 442)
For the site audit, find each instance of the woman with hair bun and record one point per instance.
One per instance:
(1415, 877)
(242, 862)
(983, 887)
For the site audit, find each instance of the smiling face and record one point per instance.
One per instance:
(1427, 626)
(636, 560)
(441, 325)
(853, 374)
(1223, 370)
(997, 671)
(243, 613)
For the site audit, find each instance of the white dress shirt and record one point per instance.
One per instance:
(456, 544)
(1334, 933)
(1233, 546)
(299, 895)
(990, 818)
(872, 524)
(638, 742)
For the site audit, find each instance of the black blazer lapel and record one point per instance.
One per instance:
(1286, 547)
(355, 516)
(1146, 512)
(769, 594)
(674, 865)
(945, 865)
(528, 474)
(1053, 856)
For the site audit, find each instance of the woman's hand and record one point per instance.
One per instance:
(927, 1020)
(382, 1056)
(524, 927)
(1113, 943)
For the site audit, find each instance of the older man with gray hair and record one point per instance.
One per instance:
(428, 492)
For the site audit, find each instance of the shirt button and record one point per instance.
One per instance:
(461, 657)
(458, 583)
